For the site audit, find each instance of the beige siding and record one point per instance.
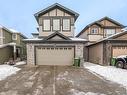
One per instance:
(96, 53)
(108, 23)
(56, 13)
(94, 37)
(84, 35)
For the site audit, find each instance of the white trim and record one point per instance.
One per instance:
(13, 36)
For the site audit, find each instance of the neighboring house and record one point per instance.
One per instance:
(55, 43)
(106, 40)
(11, 44)
(100, 29)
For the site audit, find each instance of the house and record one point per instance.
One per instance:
(11, 44)
(106, 40)
(55, 44)
(100, 29)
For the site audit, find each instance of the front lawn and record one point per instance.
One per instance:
(109, 72)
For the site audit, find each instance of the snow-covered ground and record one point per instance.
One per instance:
(109, 72)
(20, 63)
(6, 70)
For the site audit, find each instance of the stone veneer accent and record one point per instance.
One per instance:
(31, 51)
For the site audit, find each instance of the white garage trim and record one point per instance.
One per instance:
(47, 55)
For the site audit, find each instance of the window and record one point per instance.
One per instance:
(66, 24)
(94, 30)
(14, 36)
(56, 24)
(46, 24)
(109, 32)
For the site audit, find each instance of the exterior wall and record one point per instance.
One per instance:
(5, 54)
(119, 50)
(18, 39)
(94, 37)
(56, 13)
(7, 36)
(30, 54)
(31, 51)
(108, 50)
(84, 35)
(101, 34)
(107, 23)
(96, 53)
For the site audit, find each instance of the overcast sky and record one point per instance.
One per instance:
(19, 14)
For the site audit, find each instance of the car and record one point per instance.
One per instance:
(120, 61)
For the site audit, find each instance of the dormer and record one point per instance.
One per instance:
(56, 18)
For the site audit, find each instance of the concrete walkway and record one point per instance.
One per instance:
(55, 80)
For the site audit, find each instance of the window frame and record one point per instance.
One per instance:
(49, 24)
(15, 36)
(105, 32)
(93, 28)
(59, 24)
(69, 25)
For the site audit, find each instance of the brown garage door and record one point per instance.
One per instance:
(54, 55)
(117, 51)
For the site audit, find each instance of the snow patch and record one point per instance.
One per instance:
(6, 70)
(78, 39)
(20, 63)
(109, 72)
(76, 92)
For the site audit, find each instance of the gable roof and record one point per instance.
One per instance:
(56, 5)
(112, 20)
(58, 34)
(98, 23)
(112, 37)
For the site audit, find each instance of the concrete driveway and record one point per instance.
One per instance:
(55, 80)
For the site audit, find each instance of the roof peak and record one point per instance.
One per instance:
(52, 7)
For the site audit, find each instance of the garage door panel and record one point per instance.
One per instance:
(55, 56)
(121, 50)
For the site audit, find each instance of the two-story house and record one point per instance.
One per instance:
(100, 29)
(55, 44)
(11, 44)
(106, 40)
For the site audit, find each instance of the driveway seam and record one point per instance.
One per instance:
(54, 81)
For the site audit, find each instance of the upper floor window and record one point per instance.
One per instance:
(14, 36)
(94, 30)
(56, 24)
(66, 24)
(46, 25)
(109, 32)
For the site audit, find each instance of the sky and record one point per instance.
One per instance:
(19, 14)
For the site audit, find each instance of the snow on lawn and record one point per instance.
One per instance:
(76, 92)
(6, 70)
(20, 63)
(109, 72)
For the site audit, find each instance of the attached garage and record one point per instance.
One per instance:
(119, 50)
(54, 55)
